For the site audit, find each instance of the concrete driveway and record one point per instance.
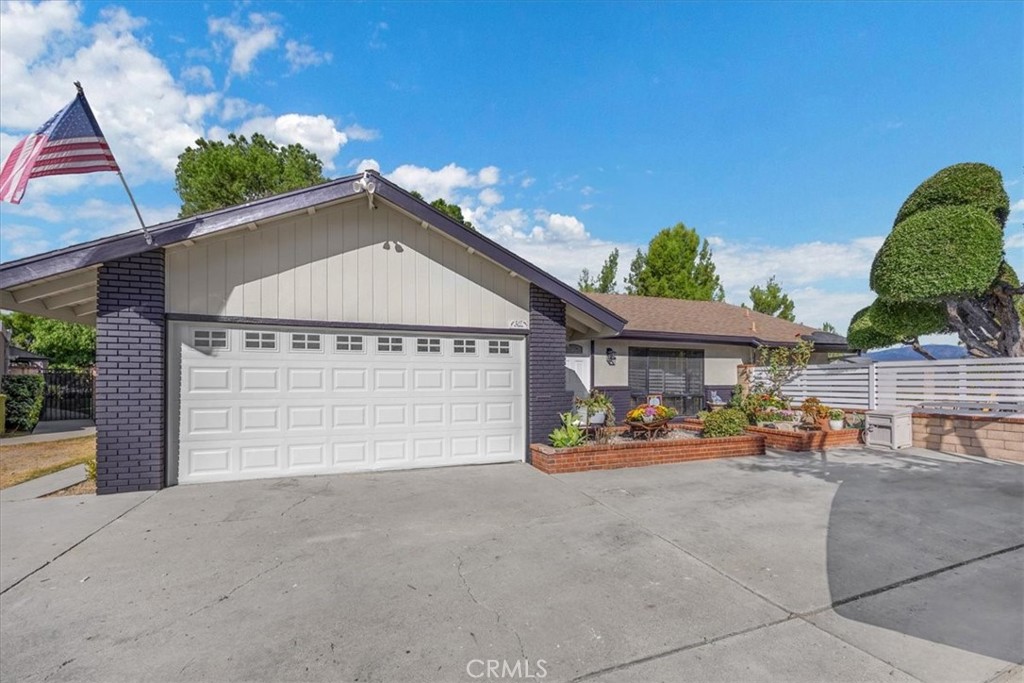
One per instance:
(856, 567)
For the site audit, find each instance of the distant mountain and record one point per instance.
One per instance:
(940, 351)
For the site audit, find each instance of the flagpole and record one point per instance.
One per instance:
(149, 238)
(131, 197)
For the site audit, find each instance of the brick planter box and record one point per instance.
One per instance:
(806, 441)
(641, 453)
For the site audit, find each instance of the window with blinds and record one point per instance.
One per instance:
(676, 374)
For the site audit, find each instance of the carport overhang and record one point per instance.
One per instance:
(70, 296)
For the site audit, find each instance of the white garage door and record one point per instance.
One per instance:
(260, 402)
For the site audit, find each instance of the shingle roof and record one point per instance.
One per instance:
(708, 319)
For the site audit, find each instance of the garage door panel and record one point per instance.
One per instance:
(305, 417)
(305, 379)
(254, 419)
(347, 417)
(306, 455)
(389, 379)
(350, 453)
(427, 380)
(350, 380)
(247, 414)
(209, 379)
(258, 380)
(259, 458)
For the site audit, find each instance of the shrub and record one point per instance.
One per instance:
(90, 469)
(813, 409)
(24, 400)
(970, 184)
(864, 333)
(725, 422)
(3, 414)
(569, 434)
(949, 251)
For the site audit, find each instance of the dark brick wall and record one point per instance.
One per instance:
(545, 348)
(130, 391)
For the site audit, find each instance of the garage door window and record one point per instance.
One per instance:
(498, 347)
(466, 346)
(348, 342)
(389, 344)
(210, 339)
(428, 345)
(260, 341)
(304, 341)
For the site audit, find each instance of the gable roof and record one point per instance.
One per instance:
(59, 262)
(709, 321)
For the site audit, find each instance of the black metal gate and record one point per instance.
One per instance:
(68, 396)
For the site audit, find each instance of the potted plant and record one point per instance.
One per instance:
(815, 412)
(648, 414)
(596, 409)
(836, 418)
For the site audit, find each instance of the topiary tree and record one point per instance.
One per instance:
(942, 269)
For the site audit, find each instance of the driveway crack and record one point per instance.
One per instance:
(236, 588)
(497, 615)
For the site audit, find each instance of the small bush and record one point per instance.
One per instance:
(24, 401)
(569, 434)
(90, 469)
(726, 422)
(3, 414)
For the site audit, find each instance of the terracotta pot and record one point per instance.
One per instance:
(822, 423)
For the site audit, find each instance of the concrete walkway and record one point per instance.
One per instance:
(55, 430)
(41, 486)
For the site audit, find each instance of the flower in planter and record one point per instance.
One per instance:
(649, 413)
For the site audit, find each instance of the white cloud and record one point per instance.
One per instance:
(367, 165)
(236, 108)
(301, 56)
(247, 40)
(1016, 212)
(445, 182)
(527, 182)
(147, 117)
(198, 74)
(318, 134)
(17, 241)
(357, 132)
(490, 197)
(376, 41)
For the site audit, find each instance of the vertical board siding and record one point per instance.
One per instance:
(909, 383)
(333, 266)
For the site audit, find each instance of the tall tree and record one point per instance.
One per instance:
(829, 327)
(605, 282)
(771, 300)
(215, 174)
(677, 265)
(942, 269)
(453, 210)
(67, 345)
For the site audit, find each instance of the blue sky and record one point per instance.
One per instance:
(788, 134)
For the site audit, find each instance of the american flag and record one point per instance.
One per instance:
(70, 142)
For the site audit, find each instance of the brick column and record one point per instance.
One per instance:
(130, 382)
(545, 348)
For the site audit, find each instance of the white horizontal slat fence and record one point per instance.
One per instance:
(909, 383)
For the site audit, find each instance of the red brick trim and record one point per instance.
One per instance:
(641, 453)
(807, 441)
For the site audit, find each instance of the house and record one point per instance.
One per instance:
(684, 350)
(344, 327)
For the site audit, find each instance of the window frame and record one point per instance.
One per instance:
(306, 339)
(499, 347)
(350, 340)
(687, 401)
(464, 346)
(260, 340)
(210, 332)
(432, 344)
(390, 343)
